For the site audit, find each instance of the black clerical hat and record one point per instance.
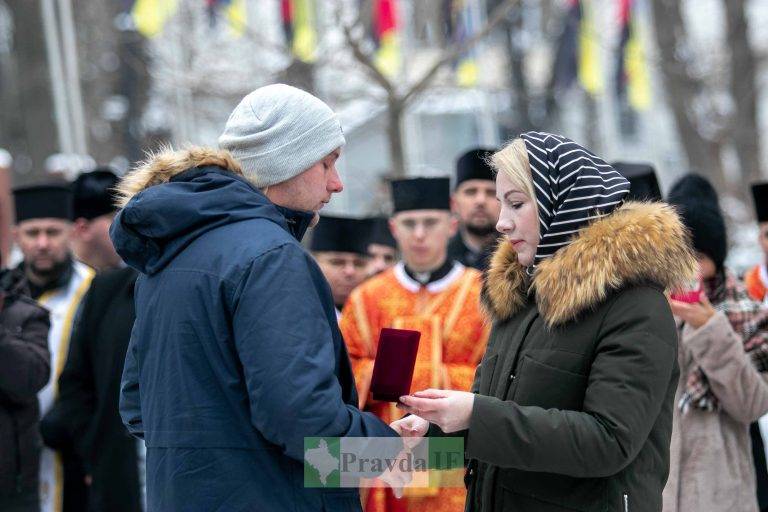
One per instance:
(380, 233)
(643, 185)
(760, 195)
(421, 194)
(341, 234)
(94, 193)
(43, 202)
(473, 165)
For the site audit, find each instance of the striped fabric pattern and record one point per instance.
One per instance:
(573, 187)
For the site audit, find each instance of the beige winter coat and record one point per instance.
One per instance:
(711, 467)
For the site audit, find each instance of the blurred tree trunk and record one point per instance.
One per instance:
(27, 124)
(744, 130)
(681, 87)
(299, 74)
(521, 99)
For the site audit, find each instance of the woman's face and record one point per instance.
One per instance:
(707, 268)
(518, 219)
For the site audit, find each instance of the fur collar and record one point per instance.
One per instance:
(639, 242)
(160, 167)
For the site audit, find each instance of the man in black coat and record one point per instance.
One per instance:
(85, 416)
(89, 388)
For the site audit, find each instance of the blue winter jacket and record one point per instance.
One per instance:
(235, 356)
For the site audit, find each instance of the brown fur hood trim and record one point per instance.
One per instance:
(163, 165)
(639, 242)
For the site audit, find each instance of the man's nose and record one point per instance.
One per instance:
(334, 183)
(42, 241)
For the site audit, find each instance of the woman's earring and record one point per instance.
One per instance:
(530, 270)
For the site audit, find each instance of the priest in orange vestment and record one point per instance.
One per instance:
(756, 278)
(429, 293)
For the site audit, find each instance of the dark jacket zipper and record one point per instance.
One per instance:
(16, 440)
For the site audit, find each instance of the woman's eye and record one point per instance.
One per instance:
(516, 205)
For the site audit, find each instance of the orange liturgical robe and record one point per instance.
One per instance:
(756, 282)
(453, 338)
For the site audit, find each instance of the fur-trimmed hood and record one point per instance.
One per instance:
(202, 189)
(639, 242)
(160, 167)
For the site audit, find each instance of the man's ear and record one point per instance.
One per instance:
(454, 225)
(392, 227)
(79, 228)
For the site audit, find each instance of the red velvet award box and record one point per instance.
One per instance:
(393, 367)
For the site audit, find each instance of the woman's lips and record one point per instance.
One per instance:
(516, 243)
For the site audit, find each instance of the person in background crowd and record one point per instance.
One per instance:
(235, 356)
(756, 279)
(429, 292)
(572, 402)
(86, 408)
(25, 367)
(340, 247)
(6, 210)
(475, 205)
(94, 210)
(382, 248)
(723, 359)
(756, 282)
(58, 282)
(643, 183)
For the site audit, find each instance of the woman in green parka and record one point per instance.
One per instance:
(571, 406)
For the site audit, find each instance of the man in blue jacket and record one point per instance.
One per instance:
(235, 355)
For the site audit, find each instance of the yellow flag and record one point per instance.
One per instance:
(150, 16)
(236, 15)
(590, 72)
(304, 36)
(466, 72)
(387, 57)
(638, 82)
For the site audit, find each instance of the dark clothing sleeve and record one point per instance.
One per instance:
(130, 401)
(286, 346)
(630, 376)
(25, 364)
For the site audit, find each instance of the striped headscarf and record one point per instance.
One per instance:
(572, 186)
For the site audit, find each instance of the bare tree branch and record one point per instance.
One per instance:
(364, 59)
(456, 49)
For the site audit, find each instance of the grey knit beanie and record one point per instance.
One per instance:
(277, 132)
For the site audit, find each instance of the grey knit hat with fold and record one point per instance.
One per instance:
(278, 131)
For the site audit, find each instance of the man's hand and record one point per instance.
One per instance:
(449, 410)
(696, 314)
(412, 429)
(396, 478)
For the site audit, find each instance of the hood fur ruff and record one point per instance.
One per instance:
(160, 167)
(639, 242)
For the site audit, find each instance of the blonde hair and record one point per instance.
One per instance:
(512, 160)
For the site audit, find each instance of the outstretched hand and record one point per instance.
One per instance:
(450, 410)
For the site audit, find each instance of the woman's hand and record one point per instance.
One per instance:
(696, 314)
(449, 410)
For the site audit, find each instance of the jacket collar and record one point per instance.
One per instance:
(297, 221)
(637, 243)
